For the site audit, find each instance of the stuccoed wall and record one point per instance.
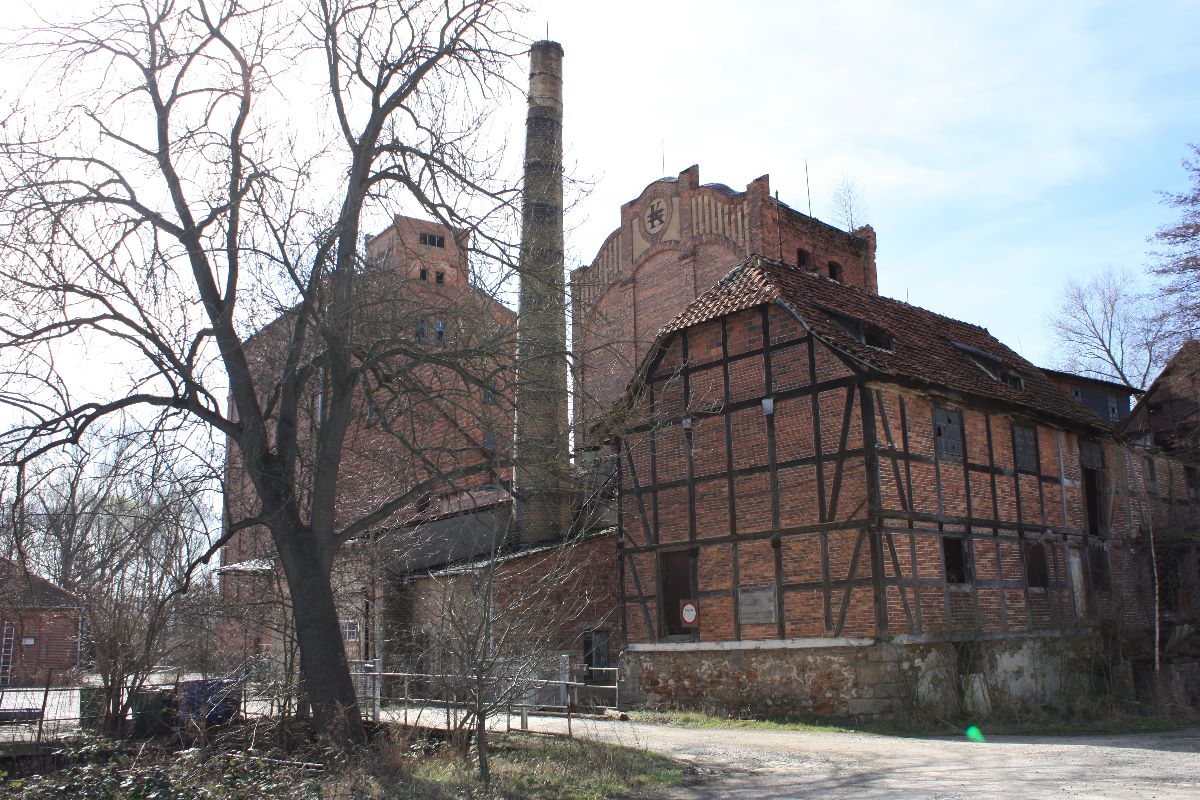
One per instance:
(860, 678)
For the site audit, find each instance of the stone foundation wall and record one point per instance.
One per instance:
(861, 678)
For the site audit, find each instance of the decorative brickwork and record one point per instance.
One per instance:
(675, 241)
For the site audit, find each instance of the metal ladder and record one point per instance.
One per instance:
(7, 642)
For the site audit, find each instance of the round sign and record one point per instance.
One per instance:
(688, 613)
(655, 217)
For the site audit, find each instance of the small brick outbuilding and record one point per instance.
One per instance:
(39, 628)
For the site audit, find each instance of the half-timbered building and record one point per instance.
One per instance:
(836, 502)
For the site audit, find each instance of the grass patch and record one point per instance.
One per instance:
(523, 766)
(913, 727)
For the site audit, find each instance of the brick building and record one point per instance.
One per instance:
(819, 485)
(675, 241)
(442, 413)
(39, 629)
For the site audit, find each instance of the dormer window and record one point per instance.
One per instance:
(433, 240)
(864, 332)
(993, 366)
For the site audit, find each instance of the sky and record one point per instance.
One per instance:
(1001, 147)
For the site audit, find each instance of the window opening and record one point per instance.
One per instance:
(992, 365)
(350, 630)
(424, 274)
(1037, 566)
(1091, 460)
(422, 330)
(489, 393)
(948, 430)
(439, 277)
(1099, 578)
(1192, 477)
(433, 240)
(958, 568)
(676, 570)
(835, 271)
(865, 332)
(595, 656)
(440, 330)
(1025, 449)
(801, 258)
(489, 441)
(1114, 409)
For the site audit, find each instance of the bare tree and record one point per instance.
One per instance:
(1104, 327)
(1177, 260)
(122, 529)
(176, 184)
(849, 205)
(493, 628)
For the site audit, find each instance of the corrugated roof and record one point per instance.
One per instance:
(929, 348)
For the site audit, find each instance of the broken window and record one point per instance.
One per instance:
(947, 424)
(1091, 461)
(433, 240)
(1037, 565)
(677, 570)
(958, 567)
(993, 365)
(864, 332)
(1025, 448)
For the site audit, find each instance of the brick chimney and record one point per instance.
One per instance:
(542, 501)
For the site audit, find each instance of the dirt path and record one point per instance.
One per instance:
(780, 764)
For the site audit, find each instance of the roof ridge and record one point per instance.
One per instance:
(783, 266)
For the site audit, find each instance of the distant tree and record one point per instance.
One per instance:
(1105, 328)
(120, 526)
(849, 205)
(1177, 257)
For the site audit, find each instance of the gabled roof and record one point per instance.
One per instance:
(929, 349)
(1169, 411)
(20, 588)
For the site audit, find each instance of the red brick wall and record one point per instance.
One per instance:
(640, 279)
(817, 556)
(55, 646)
(579, 594)
(430, 409)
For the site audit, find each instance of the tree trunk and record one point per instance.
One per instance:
(481, 742)
(323, 666)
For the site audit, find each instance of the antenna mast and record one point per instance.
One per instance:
(808, 187)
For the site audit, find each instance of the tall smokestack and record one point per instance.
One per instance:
(542, 501)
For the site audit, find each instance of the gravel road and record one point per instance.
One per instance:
(782, 764)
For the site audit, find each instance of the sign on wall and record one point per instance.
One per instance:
(756, 604)
(688, 613)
